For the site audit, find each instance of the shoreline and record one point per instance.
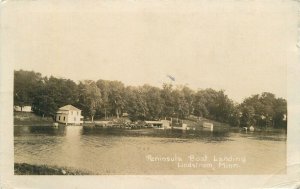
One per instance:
(260, 130)
(30, 169)
(32, 120)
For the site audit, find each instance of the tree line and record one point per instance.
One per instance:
(103, 99)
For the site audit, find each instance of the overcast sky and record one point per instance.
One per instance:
(242, 47)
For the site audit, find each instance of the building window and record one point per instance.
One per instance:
(77, 113)
(58, 117)
(64, 118)
(71, 112)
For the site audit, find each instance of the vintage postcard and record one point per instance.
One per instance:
(184, 94)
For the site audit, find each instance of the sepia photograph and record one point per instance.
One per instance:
(137, 88)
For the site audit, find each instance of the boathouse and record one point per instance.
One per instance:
(69, 115)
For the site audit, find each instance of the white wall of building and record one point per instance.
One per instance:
(23, 109)
(74, 117)
(69, 117)
(62, 118)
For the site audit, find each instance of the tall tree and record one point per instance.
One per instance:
(54, 93)
(181, 105)
(199, 105)
(280, 113)
(116, 97)
(135, 104)
(269, 111)
(153, 101)
(234, 117)
(89, 98)
(247, 118)
(104, 87)
(189, 96)
(26, 84)
(168, 100)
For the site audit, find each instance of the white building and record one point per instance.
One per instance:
(162, 124)
(22, 108)
(69, 115)
(209, 126)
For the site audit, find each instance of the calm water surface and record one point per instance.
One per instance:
(151, 151)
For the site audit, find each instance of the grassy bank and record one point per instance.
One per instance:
(28, 118)
(28, 169)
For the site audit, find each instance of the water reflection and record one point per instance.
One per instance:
(218, 135)
(190, 134)
(121, 151)
(41, 130)
(270, 136)
(73, 133)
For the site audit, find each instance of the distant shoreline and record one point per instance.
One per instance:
(32, 120)
(257, 130)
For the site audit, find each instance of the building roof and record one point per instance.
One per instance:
(69, 107)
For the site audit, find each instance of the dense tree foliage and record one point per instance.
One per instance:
(89, 98)
(264, 110)
(103, 99)
(52, 94)
(26, 85)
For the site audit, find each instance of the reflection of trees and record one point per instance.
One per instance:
(52, 131)
(203, 135)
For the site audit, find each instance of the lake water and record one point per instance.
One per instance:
(151, 151)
